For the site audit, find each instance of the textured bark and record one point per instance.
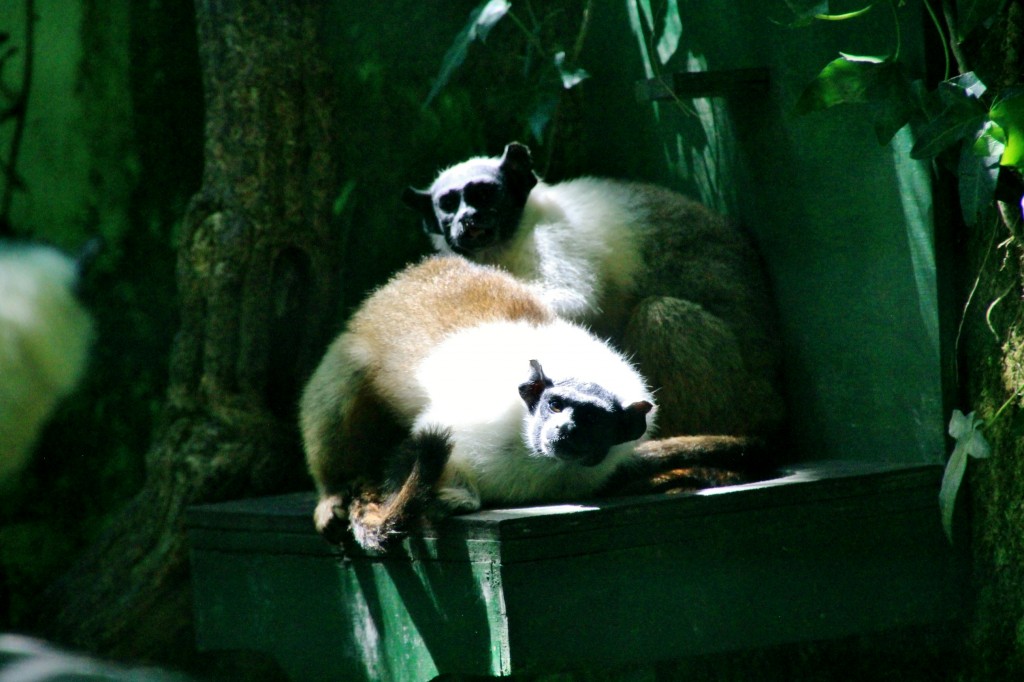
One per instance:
(257, 264)
(994, 358)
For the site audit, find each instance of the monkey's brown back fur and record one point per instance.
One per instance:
(361, 400)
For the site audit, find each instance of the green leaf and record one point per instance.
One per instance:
(843, 81)
(977, 173)
(965, 430)
(570, 77)
(864, 79)
(865, 58)
(804, 11)
(342, 200)
(988, 143)
(670, 35)
(965, 85)
(845, 15)
(481, 20)
(962, 116)
(541, 115)
(1008, 114)
(894, 100)
(945, 130)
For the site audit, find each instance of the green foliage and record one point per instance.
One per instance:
(1007, 112)
(972, 123)
(966, 431)
(548, 69)
(961, 115)
(962, 122)
(481, 21)
(857, 79)
(806, 12)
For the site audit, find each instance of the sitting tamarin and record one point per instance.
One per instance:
(673, 284)
(454, 386)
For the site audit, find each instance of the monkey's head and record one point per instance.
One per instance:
(577, 421)
(476, 204)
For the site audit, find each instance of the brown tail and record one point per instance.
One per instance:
(377, 516)
(687, 463)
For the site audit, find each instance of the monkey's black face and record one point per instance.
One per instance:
(476, 215)
(575, 430)
(577, 421)
(477, 204)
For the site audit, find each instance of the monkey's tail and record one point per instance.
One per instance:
(687, 463)
(414, 471)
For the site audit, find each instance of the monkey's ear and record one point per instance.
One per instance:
(532, 389)
(517, 168)
(421, 201)
(634, 420)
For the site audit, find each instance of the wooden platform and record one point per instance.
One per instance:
(826, 550)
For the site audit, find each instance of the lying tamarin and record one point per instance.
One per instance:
(673, 284)
(454, 386)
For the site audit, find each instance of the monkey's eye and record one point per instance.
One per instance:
(481, 195)
(556, 405)
(449, 202)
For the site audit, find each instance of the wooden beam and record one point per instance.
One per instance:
(694, 84)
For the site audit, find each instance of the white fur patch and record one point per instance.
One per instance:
(472, 381)
(45, 335)
(574, 239)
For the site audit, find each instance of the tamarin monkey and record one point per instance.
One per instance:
(45, 337)
(454, 387)
(676, 286)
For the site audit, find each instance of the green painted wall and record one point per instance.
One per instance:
(843, 222)
(76, 158)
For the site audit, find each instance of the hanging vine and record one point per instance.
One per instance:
(14, 112)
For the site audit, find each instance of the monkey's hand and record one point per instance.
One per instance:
(331, 518)
(453, 500)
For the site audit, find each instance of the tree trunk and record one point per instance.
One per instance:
(994, 352)
(257, 269)
(995, 359)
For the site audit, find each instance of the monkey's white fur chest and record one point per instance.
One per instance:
(471, 380)
(576, 241)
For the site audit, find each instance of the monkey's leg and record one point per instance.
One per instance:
(693, 362)
(347, 432)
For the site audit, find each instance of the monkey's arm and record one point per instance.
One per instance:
(687, 463)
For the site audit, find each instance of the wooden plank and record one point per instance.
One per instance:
(869, 559)
(694, 84)
(596, 522)
(830, 549)
(397, 619)
(729, 584)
